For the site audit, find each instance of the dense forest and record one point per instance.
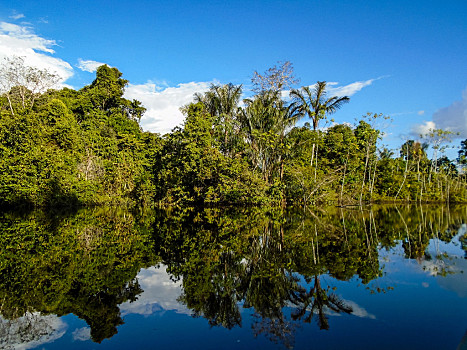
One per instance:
(67, 148)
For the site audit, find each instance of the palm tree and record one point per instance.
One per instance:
(221, 102)
(317, 301)
(265, 121)
(313, 103)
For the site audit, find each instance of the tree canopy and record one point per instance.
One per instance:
(66, 147)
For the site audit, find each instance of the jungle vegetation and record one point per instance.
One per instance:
(66, 147)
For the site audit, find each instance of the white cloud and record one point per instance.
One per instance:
(350, 89)
(16, 40)
(422, 129)
(89, 65)
(421, 112)
(163, 103)
(454, 117)
(160, 293)
(16, 16)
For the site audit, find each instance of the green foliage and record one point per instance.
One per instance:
(190, 169)
(78, 148)
(86, 147)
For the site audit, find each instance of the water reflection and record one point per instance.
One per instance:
(82, 264)
(280, 266)
(30, 330)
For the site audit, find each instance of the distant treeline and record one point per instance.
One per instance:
(86, 147)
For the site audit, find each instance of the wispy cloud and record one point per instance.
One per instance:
(163, 103)
(17, 40)
(88, 65)
(350, 89)
(16, 15)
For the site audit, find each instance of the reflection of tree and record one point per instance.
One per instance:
(277, 330)
(100, 310)
(317, 300)
(83, 264)
(257, 258)
(31, 327)
(463, 241)
(212, 293)
(272, 260)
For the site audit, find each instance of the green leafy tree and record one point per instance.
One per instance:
(313, 102)
(221, 102)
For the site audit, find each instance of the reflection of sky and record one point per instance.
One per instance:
(452, 248)
(160, 294)
(421, 297)
(447, 265)
(82, 334)
(30, 331)
(456, 282)
(358, 310)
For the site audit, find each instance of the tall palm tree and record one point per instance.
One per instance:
(265, 121)
(313, 102)
(221, 102)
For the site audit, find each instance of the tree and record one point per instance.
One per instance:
(274, 79)
(312, 102)
(436, 137)
(221, 102)
(265, 121)
(462, 159)
(108, 88)
(367, 138)
(415, 151)
(23, 84)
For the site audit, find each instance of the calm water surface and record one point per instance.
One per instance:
(356, 278)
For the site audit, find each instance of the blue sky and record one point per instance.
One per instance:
(405, 59)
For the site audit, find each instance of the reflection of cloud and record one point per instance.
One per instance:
(160, 293)
(82, 334)
(163, 103)
(359, 311)
(456, 281)
(30, 331)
